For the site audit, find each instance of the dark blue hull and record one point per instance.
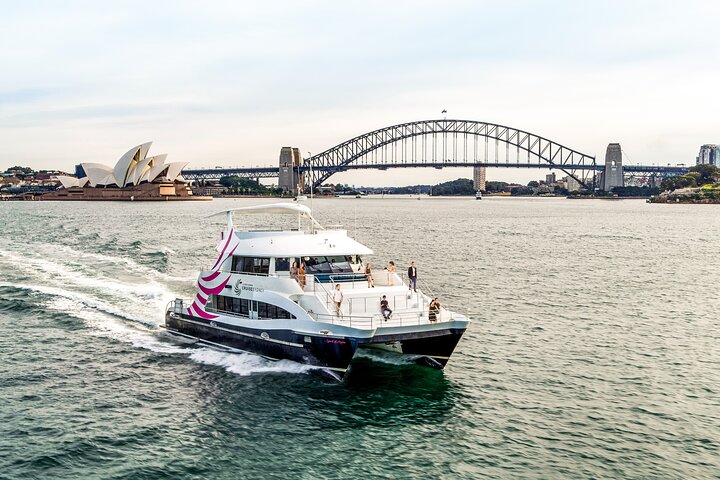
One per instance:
(432, 348)
(329, 352)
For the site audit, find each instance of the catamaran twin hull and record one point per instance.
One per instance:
(332, 352)
(308, 296)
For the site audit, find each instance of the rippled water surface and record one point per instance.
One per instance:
(594, 351)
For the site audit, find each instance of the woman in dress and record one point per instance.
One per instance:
(434, 310)
(391, 273)
(301, 275)
(294, 271)
(368, 275)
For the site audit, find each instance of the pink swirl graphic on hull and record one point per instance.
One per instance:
(209, 284)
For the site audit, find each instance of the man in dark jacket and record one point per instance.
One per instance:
(412, 275)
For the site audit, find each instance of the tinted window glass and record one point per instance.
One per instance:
(237, 264)
(241, 306)
(331, 264)
(236, 305)
(251, 265)
(283, 264)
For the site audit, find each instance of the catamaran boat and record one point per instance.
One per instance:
(253, 299)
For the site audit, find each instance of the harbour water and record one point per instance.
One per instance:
(594, 352)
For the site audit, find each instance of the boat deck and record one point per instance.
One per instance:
(361, 304)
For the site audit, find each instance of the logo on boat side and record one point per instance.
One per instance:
(333, 340)
(250, 288)
(237, 287)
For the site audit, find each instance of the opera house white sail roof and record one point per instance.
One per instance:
(133, 168)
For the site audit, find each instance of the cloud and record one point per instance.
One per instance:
(230, 83)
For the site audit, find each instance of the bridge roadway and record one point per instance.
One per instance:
(271, 172)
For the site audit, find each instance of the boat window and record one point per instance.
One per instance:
(283, 264)
(251, 265)
(329, 264)
(241, 306)
(262, 310)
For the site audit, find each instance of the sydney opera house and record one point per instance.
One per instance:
(134, 177)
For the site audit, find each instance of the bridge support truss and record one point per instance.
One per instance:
(449, 143)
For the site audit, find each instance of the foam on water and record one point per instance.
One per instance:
(246, 363)
(103, 321)
(385, 357)
(80, 299)
(46, 251)
(65, 273)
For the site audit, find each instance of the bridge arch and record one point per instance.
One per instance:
(448, 143)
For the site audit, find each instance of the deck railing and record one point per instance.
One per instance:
(373, 321)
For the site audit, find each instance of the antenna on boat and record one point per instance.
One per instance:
(312, 224)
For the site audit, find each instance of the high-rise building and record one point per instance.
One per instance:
(550, 178)
(289, 179)
(709, 155)
(479, 178)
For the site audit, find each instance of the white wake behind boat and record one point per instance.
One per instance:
(251, 299)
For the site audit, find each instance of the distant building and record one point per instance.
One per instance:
(133, 169)
(571, 184)
(550, 178)
(290, 180)
(709, 155)
(479, 178)
(135, 176)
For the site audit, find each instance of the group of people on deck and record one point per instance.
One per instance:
(390, 269)
(298, 274)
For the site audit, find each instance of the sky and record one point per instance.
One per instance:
(229, 83)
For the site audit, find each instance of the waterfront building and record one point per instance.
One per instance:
(709, 155)
(550, 178)
(133, 168)
(135, 176)
(479, 178)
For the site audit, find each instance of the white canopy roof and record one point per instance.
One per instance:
(291, 243)
(270, 209)
(298, 244)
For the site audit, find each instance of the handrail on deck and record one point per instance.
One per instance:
(401, 319)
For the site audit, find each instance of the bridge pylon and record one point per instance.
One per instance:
(613, 175)
(290, 177)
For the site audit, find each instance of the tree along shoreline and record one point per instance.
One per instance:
(701, 185)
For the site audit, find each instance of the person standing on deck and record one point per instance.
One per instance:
(301, 275)
(337, 298)
(368, 275)
(391, 273)
(294, 271)
(434, 310)
(412, 275)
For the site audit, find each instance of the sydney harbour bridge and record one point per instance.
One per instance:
(442, 144)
